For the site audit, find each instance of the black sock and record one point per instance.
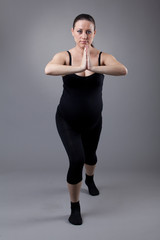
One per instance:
(91, 185)
(75, 217)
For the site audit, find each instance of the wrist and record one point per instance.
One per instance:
(82, 68)
(91, 68)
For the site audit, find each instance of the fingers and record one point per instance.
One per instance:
(86, 64)
(87, 57)
(87, 50)
(84, 60)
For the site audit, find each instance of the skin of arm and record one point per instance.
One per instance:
(110, 66)
(57, 67)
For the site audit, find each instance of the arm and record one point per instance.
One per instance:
(57, 65)
(110, 66)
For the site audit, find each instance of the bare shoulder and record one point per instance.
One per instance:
(108, 59)
(59, 58)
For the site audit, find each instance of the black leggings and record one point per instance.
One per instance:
(80, 146)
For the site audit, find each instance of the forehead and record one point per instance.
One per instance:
(84, 24)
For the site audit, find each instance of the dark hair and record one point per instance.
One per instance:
(84, 16)
(87, 17)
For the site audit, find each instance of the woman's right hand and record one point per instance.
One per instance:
(57, 65)
(83, 65)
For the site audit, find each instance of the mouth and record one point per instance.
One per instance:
(83, 42)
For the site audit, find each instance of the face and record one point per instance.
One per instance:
(83, 33)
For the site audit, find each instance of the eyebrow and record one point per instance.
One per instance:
(86, 29)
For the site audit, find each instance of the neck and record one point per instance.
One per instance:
(81, 49)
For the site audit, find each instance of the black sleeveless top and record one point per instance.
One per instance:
(81, 102)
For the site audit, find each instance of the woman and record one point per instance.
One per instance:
(78, 116)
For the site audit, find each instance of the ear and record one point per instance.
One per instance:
(94, 32)
(72, 31)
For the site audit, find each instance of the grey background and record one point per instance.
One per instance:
(33, 162)
(31, 33)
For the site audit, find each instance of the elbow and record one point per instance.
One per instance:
(124, 71)
(50, 70)
(46, 70)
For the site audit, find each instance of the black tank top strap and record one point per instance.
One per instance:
(99, 59)
(70, 58)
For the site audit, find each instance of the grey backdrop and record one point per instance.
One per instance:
(31, 33)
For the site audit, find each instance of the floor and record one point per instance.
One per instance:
(35, 205)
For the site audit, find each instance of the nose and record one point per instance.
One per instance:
(84, 35)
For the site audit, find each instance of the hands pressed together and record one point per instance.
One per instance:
(86, 61)
(111, 66)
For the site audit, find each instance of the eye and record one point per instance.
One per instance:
(79, 31)
(88, 32)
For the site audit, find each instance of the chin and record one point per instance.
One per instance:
(81, 45)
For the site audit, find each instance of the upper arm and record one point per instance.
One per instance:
(59, 58)
(108, 59)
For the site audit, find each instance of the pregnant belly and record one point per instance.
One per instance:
(85, 111)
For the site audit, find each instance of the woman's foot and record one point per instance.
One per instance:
(75, 217)
(93, 190)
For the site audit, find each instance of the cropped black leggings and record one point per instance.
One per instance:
(80, 146)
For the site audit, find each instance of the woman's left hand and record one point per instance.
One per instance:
(110, 65)
(88, 59)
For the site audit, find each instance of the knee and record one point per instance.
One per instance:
(91, 159)
(74, 175)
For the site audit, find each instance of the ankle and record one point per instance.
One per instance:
(75, 205)
(89, 178)
(75, 217)
(93, 190)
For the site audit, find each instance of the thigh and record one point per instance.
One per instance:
(71, 139)
(90, 138)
